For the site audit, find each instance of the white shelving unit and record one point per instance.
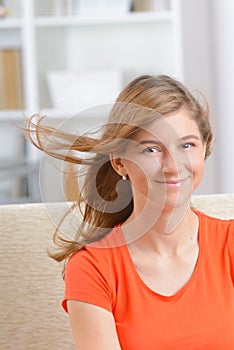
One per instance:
(131, 17)
(136, 43)
(10, 23)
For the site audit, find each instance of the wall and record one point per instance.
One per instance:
(222, 14)
(198, 75)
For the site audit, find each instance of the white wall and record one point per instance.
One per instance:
(216, 81)
(222, 14)
(198, 75)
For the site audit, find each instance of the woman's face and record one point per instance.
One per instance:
(165, 161)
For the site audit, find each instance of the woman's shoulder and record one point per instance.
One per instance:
(214, 220)
(216, 229)
(90, 276)
(93, 272)
(101, 251)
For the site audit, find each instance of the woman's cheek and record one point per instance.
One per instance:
(141, 174)
(197, 166)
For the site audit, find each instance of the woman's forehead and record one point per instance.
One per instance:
(175, 125)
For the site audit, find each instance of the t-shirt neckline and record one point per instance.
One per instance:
(187, 285)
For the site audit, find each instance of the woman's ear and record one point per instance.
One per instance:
(117, 164)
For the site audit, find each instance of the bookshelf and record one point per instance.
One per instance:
(151, 42)
(34, 30)
(134, 42)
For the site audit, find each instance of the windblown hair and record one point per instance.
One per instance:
(101, 198)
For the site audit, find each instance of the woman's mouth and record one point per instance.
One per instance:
(172, 183)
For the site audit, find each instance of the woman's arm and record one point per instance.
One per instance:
(92, 326)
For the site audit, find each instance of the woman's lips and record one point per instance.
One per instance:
(172, 183)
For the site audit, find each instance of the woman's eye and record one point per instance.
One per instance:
(150, 150)
(188, 145)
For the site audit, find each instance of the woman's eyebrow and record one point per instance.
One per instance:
(143, 142)
(156, 142)
(187, 137)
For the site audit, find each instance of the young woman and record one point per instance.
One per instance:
(146, 271)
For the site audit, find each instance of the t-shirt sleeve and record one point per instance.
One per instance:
(86, 279)
(231, 246)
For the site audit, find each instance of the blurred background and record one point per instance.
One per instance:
(60, 57)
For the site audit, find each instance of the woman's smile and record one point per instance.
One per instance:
(173, 183)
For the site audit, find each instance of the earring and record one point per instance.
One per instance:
(124, 177)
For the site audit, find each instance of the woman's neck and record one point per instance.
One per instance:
(166, 231)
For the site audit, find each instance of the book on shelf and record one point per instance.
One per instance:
(151, 5)
(11, 81)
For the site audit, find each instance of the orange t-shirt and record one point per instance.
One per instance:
(200, 316)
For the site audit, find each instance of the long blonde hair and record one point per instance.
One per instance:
(154, 95)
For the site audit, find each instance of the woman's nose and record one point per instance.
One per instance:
(170, 162)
